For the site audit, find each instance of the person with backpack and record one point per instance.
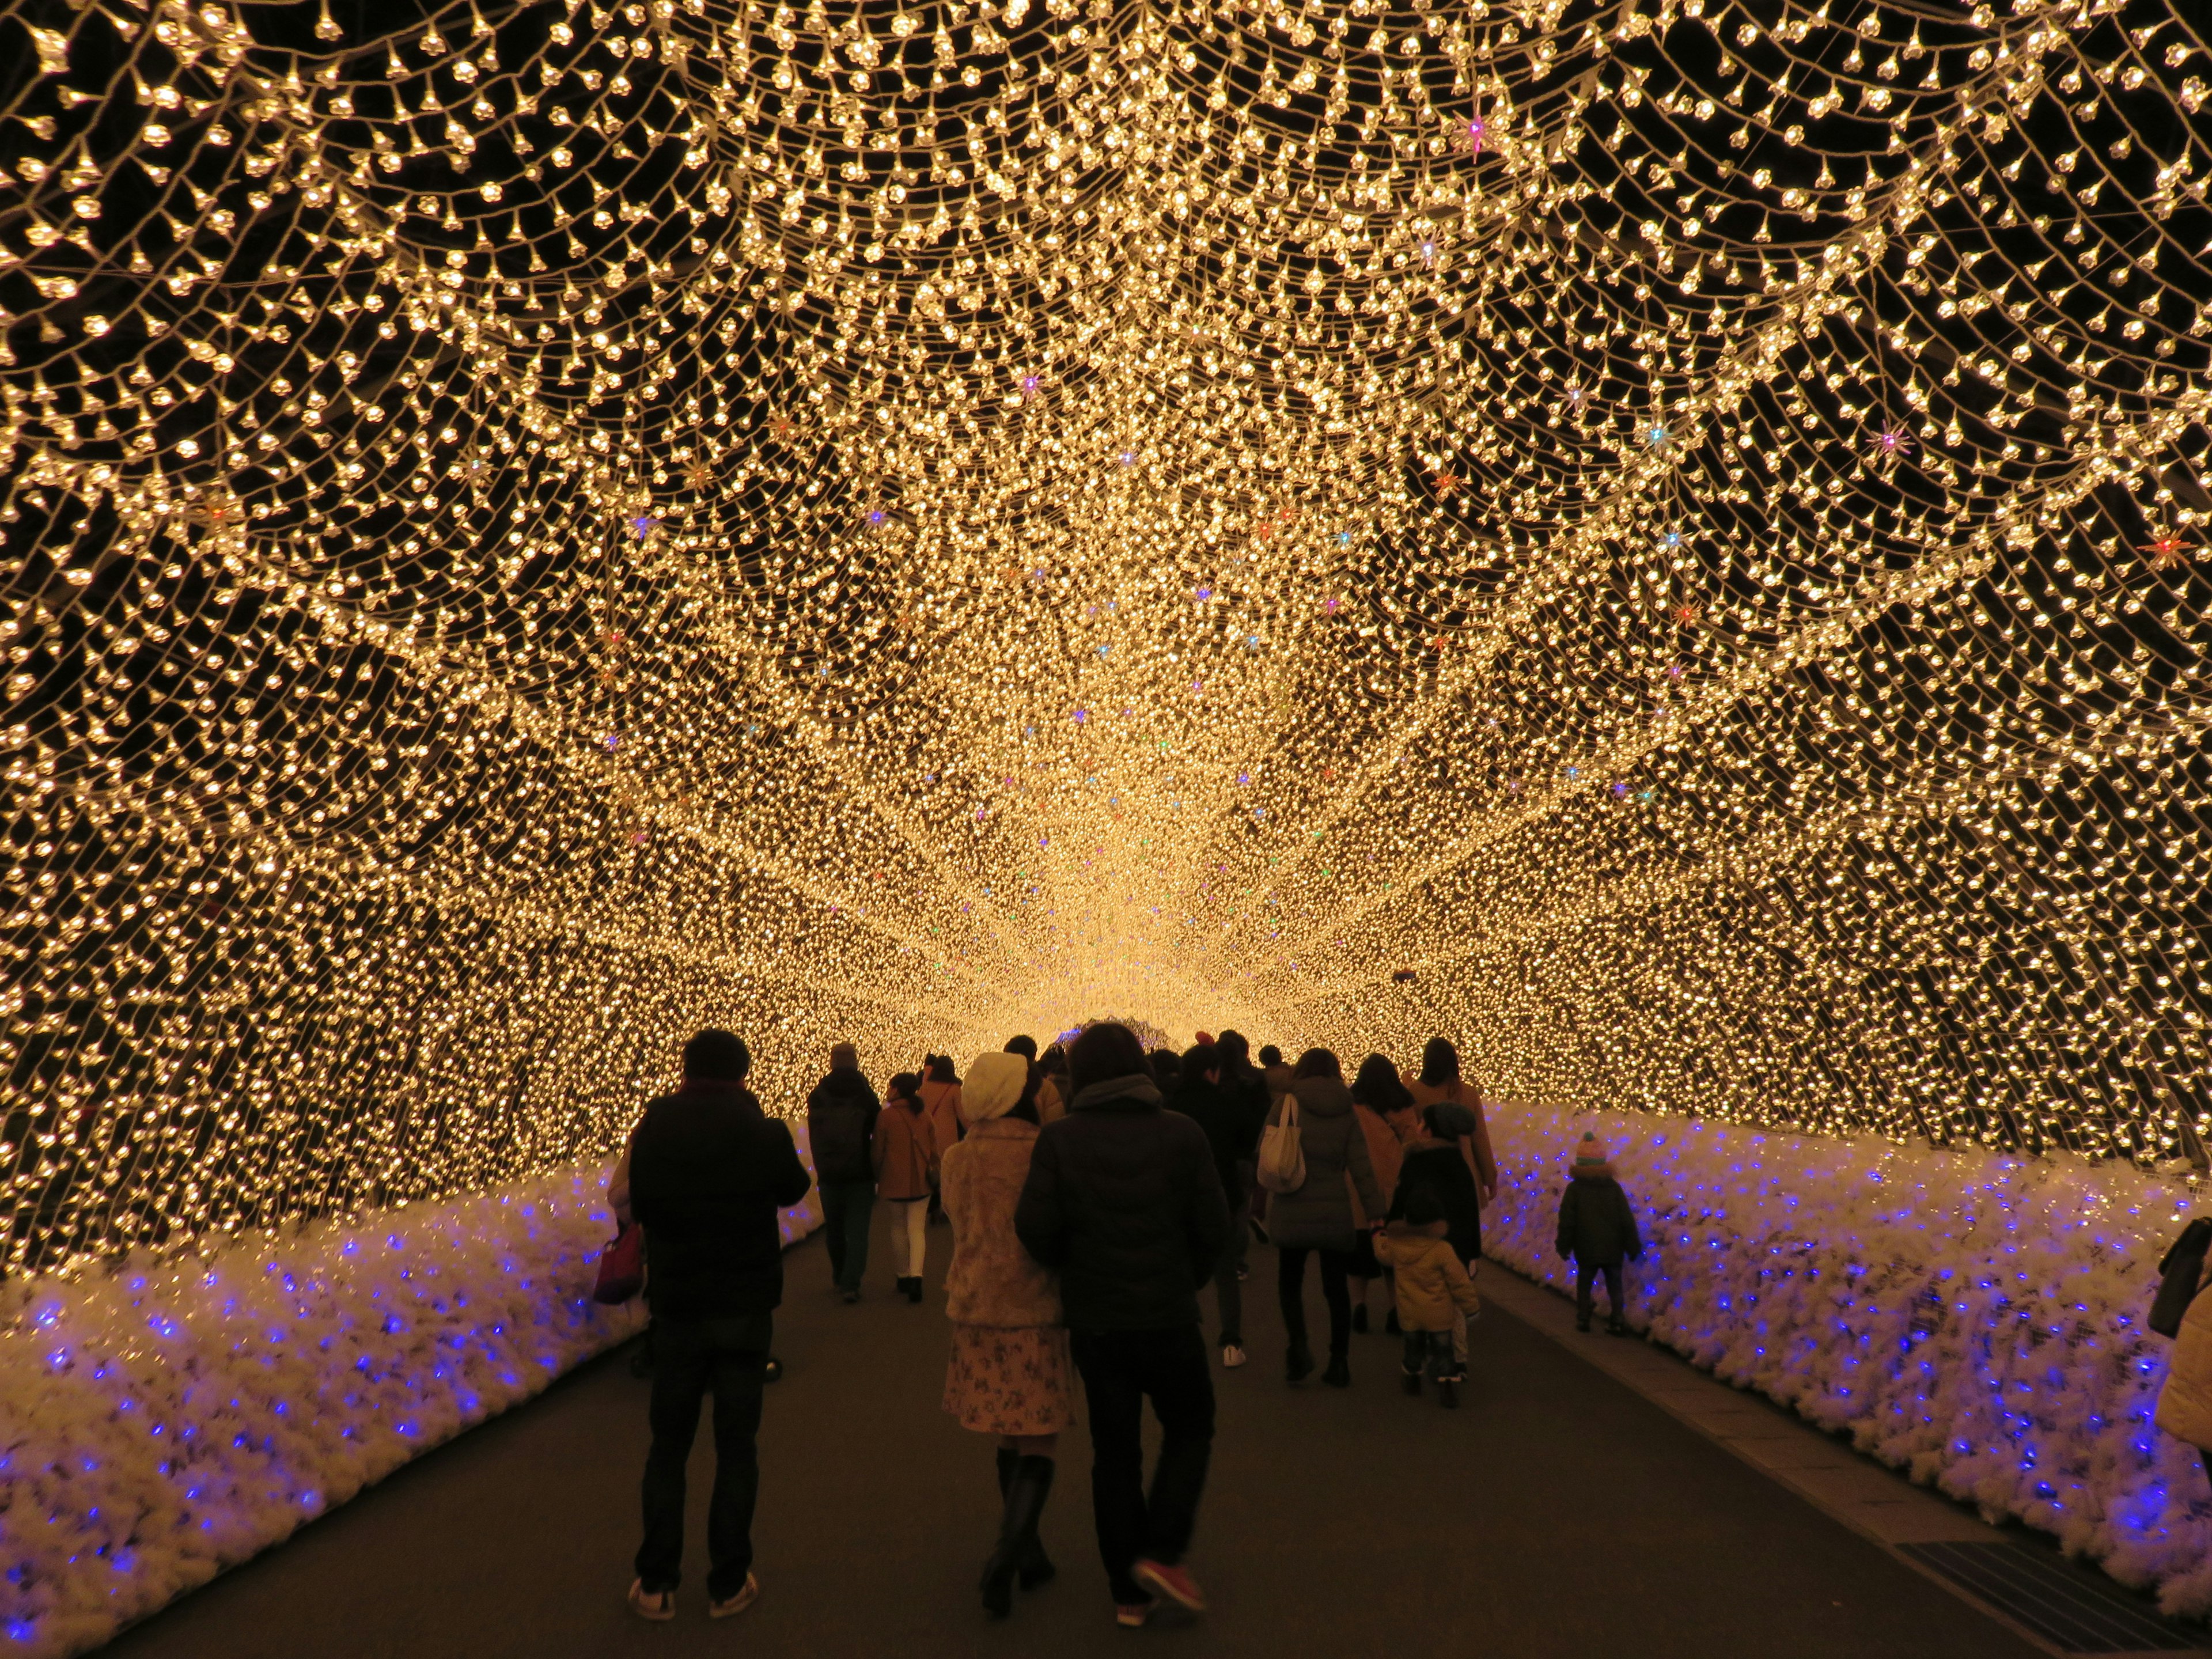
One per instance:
(906, 1163)
(1316, 1219)
(1009, 1375)
(708, 1173)
(840, 1128)
(1123, 1202)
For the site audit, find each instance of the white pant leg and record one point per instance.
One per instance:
(917, 1236)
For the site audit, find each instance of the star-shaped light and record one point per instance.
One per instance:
(1429, 254)
(1892, 442)
(1686, 614)
(698, 475)
(1344, 538)
(779, 427)
(1657, 434)
(876, 515)
(1447, 482)
(1577, 396)
(1030, 383)
(641, 525)
(1671, 541)
(2168, 551)
(1477, 131)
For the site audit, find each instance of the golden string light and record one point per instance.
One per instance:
(1662, 540)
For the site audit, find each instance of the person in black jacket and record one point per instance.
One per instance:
(1122, 1200)
(1245, 1080)
(709, 1171)
(1597, 1228)
(1232, 1121)
(840, 1128)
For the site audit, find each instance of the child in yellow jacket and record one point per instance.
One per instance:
(1432, 1285)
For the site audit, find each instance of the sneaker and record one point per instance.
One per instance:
(659, 1605)
(1339, 1374)
(1243, 1272)
(732, 1606)
(1411, 1382)
(850, 1297)
(773, 1371)
(1178, 1586)
(1130, 1615)
(1359, 1320)
(1231, 1356)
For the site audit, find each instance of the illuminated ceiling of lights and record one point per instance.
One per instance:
(1663, 541)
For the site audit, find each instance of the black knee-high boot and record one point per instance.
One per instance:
(1027, 1487)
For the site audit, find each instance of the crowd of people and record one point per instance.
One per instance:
(1092, 1191)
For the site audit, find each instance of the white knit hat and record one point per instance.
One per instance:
(993, 1086)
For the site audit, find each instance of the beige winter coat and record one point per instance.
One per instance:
(992, 1280)
(2185, 1404)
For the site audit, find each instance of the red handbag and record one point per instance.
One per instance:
(621, 1266)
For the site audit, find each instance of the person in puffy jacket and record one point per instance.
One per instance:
(840, 1128)
(1597, 1228)
(1009, 1375)
(1122, 1200)
(906, 1158)
(1435, 1295)
(1318, 1219)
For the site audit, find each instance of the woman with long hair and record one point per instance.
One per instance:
(1009, 1375)
(1317, 1219)
(906, 1158)
(1439, 1083)
(1377, 1096)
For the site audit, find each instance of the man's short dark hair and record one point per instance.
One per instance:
(1023, 1046)
(717, 1057)
(1235, 1050)
(1105, 1052)
(1271, 1055)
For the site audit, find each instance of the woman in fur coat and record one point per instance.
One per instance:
(1009, 1375)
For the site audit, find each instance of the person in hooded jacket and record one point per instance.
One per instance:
(906, 1157)
(1597, 1228)
(1318, 1218)
(1009, 1375)
(840, 1128)
(1123, 1201)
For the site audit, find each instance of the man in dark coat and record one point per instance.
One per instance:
(1122, 1200)
(840, 1127)
(709, 1171)
(1233, 1120)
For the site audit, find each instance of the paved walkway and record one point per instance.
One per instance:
(1558, 1513)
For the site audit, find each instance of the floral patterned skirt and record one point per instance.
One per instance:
(1015, 1380)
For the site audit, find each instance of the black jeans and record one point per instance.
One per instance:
(1586, 1270)
(691, 1357)
(1120, 1369)
(1430, 1351)
(847, 1206)
(1290, 1290)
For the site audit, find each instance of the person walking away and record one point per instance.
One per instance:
(1439, 1082)
(1167, 1071)
(1053, 1093)
(1317, 1219)
(1434, 1293)
(1597, 1228)
(840, 1127)
(906, 1160)
(1435, 1157)
(1243, 1083)
(1049, 1104)
(940, 1099)
(1123, 1202)
(1276, 1076)
(709, 1171)
(1376, 1096)
(1208, 1100)
(1009, 1376)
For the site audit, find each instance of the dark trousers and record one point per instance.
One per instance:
(847, 1206)
(1120, 1369)
(1291, 1290)
(1429, 1351)
(1227, 1291)
(692, 1358)
(1584, 1273)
